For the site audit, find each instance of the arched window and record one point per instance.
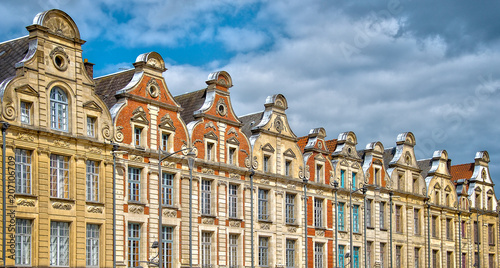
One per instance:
(58, 109)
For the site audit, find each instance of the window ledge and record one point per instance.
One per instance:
(235, 219)
(95, 203)
(62, 199)
(131, 202)
(383, 229)
(343, 231)
(291, 224)
(370, 227)
(170, 207)
(26, 195)
(266, 221)
(320, 228)
(208, 216)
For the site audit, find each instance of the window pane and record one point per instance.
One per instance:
(23, 242)
(92, 245)
(23, 171)
(59, 243)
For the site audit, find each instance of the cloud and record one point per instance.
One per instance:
(241, 40)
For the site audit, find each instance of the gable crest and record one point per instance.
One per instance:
(289, 153)
(211, 125)
(268, 148)
(167, 123)
(28, 90)
(92, 105)
(233, 140)
(139, 116)
(232, 131)
(211, 135)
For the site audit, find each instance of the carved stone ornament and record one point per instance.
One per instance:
(221, 107)
(9, 110)
(210, 125)
(170, 213)
(167, 123)
(119, 134)
(140, 116)
(234, 223)
(232, 131)
(25, 202)
(25, 137)
(59, 205)
(94, 149)
(279, 193)
(60, 58)
(136, 209)
(137, 158)
(265, 226)
(219, 183)
(152, 86)
(264, 181)
(60, 26)
(208, 221)
(94, 209)
(278, 124)
(234, 176)
(207, 171)
(320, 233)
(292, 229)
(106, 132)
(61, 143)
(319, 191)
(291, 186)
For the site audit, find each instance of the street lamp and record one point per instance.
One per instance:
(190, 156)
(114, 152)
(478, 264)
(252, 172)
(5, 125)
(363, 189)
(336, 188)
(391, 193)
(305, 180)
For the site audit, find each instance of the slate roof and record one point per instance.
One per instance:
(107, 86)
(463, 171)
(191, 102)
(12, 52)
(425, 165)
(388, 156)
(249, 121)
(331, 145)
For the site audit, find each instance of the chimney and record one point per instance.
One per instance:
(89, 67)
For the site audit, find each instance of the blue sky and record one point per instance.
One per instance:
(377, 68)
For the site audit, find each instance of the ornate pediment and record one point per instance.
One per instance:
(167, 123)
(355, 165)
(320, 157)
(28, 90)
(289, 153)
(233, 140)
(211, 135)
(268, 148)
(448, 188)
(92, 105)
(140, 116)
(344, 163)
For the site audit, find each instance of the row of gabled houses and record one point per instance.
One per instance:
(79, 148)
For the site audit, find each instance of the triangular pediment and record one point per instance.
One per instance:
(268, 148)
(355, 165)
(289, 153)
(320, 157)
(92, 105)
(28, 90)
(437, 186)
(139, 116)
(344, 163)
(490, 191)
(233, 140)
(167, 123)
(448, 188)
(211, 135)
(377, 161)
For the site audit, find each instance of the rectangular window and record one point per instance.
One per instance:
(167, 186)
(319, 173)
(290, 208)
(449, 260)
(233, 201)
(355, 218)
(23, 242)
(263, 251)
(233, 251)
(318, 212)
(377, 176)
(491, 260)
(263, 204)
(355, 256)
(398, 256)
(318, 255)
(342, 178)
(340, 208)
(25, 112)
(476, 233)
(464, 232)
(206, 249)
(164, 142)
(288, 168)
(92, 245)
(382, 255)
(341, 256)
(92, 181)
(353, 181)
(59, 176)
(434, 226)
(369, 246)
(266, 163)
(210, 151)
(464, 260)
(134, 244)
(91, 126)
(449, 229)
(59, 243)
(476, 259)
(290, 253)
(415, 185)
(399, 222)
(137, 136)
(416, 257)
(23, 171)
(382, 215)
(168, 246)
(416, 221)
(491, 234)
(368, 212)
(206, 197)
(134, 184)
(231, 156)
(435, 259)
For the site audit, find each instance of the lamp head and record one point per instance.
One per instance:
(336, 184)
(155, 244)
(191, 155)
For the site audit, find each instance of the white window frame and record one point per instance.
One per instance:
(382, 215)
(210, 150)
(290, 253)
(92, 253)
(59, 115)
(233, 250)
(167, 186)
(92, 180)
(138, 132)
(318, 213)
(59, 243)
(23, 242)
(320, 172)
(91, 126)
(288, 167)
(232, 202)
(59, 176)
(134, 244)
(165, 141)
(232, 155)
(206, 197)
(206, 249)
(134, 184)
(263, 251)
(263, 204)
(290, 208)
(319, 255)
(25, 111)
(168, 246)
(266, 163)
(23, 171)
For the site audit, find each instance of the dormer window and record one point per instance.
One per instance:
(288, 167)
(319, 173)
(58, 109)
(137, 136)
(377, 177)
(210, 151)
(266, 163)
(231, 156)
(164, 141)
(26, 112)
(91, 126)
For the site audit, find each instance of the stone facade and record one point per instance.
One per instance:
(63, 124)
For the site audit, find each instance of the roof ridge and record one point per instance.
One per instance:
(15, 39)
(116, 73)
